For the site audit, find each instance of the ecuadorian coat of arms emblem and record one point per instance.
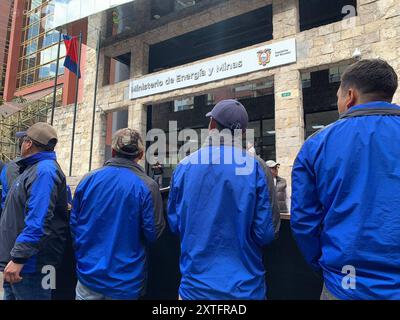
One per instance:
(264, 57)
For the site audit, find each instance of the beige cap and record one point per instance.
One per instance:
(128, 141)
(272, 164)
(43, 133)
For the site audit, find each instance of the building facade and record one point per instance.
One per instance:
(147, 39)
(6, 8)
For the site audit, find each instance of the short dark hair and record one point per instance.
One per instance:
(50, 147)
(125, 156)
(221, 127)
(373, 77)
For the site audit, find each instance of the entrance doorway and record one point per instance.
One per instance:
(189, 113)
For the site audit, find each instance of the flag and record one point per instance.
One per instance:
(71, 58)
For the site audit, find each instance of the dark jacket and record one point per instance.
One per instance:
(346, 200)
(281, 195)
(224, 213)
(115, 209)
(34, 222)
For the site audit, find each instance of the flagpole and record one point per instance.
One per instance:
(94, 100)
(56, 80)
(76, 103)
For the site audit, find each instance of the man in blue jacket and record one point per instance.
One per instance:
(34, 222)
(222, 203)
(115, 209)
(346, 182)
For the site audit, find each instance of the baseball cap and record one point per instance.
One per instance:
(40, 132)
(231, 114)
(20, 134)
(128, 142)
(272, 164)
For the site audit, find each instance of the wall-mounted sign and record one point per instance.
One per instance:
(286, 94)
(268, 56)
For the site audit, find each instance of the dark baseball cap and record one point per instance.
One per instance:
(40, 132)
(128, 142)
(231, 114)
(20, 134)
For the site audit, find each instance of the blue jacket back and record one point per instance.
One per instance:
(223, 213)
(116, 209)
(345, 201)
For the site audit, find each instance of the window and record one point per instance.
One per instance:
(192, 111)
(235, 33)
(119, 68)
(320, 99)
(335, 74)
(306, 80)
(161, 8)
(184, 104)
(33, 31)
(38, 53)
(316, 13)
(121, 19)
(35, 4)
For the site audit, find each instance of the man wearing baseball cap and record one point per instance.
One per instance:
(114, 209)
(34, 223)
(280, 187)
(224, 216)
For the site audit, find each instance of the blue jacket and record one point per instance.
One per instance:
(34, 223)
(7, 176)
(345, 202)
(224, 218)
(114, 210)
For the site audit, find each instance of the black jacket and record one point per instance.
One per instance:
(34, 222)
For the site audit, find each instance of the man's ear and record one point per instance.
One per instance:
(351, 98)
(212, 125)
(140, 156)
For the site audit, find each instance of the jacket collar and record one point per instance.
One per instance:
(122, 162)
(372, 108)
(37, 157)
(215, 136)
(24, 163)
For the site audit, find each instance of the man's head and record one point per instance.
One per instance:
(367, 81)
(128, 144)
(38, 138)
(274, 166)
(228, 114)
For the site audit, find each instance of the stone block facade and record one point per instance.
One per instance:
(375, 31)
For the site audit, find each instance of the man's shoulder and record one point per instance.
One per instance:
(281, 180)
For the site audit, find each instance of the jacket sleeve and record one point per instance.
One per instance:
(153, 222)
(276, 215)
(263, 224)
(39, 209)
(4, 187)
(76, 208)
(307, 211)
(173, 214)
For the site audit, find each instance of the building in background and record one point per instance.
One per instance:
(6, 9)
(145, 40)
(30, 62)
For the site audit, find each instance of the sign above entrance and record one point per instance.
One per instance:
(256, 59)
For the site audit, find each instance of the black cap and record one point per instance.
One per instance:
(231, 114)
